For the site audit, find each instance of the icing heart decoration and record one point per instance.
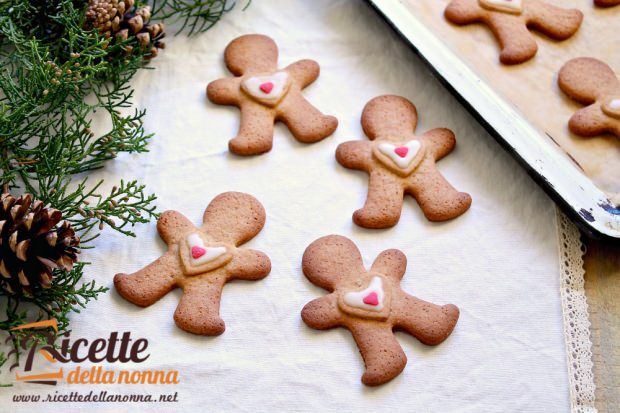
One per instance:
(199, 253)
(402, 155)
(401, 151)
(509, 6)
(370, 298)
(266, 87)
(612, 107)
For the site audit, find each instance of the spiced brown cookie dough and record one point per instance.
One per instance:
(371, 304)
(200, 260)
(511, 21)
(399, 162)
(266, 94)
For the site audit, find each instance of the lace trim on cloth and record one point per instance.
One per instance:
(576, 317)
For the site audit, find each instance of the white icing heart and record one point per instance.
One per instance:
(395, 152)
(612, 107)
(510, 6)
(359, 299)
(268, 89)
(209, 254)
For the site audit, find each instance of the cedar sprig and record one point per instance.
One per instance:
(191, 16)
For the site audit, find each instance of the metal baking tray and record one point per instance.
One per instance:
(573, 192)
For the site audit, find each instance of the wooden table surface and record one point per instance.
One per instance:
(602, 265)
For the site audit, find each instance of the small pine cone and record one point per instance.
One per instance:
(32, 244)
(122, 21)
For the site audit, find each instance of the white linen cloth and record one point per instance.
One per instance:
(498, 263)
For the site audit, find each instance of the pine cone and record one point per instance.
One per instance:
(32, 244)
(122, 20)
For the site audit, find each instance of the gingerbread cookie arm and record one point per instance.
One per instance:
(322, 313)
(146, 286)
(198, 311)
(384, 202)
(463, 12)
(556, 22)
(330, 258)
(391, 263)
(437, 198)
(429, 323)
(306, 123)
(173, 226)
(224, 91)
(255, 134)
(249, 265)
(304, 72)
(440, 142)
(585, 79)
(383, 356)
(592, 121)
(355, 155)
(233, 217)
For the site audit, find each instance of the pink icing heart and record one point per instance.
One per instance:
(266, 87)
(402, 151)
(371, 299)
(198, 252)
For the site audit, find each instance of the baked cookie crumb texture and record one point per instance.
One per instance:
(399, 162)
(593, 83)
(200, 260)
(511, 21)
(266, 94)
(371, 305)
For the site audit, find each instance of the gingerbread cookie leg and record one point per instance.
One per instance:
(429, 323)
(437, 198)
(306, 123)
(516, 42)
(199, 309)
(383, 356)
(384, 202)
(255, 131)
(152, 282)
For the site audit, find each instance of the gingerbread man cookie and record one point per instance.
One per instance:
(511, 20)
(266, 94)
(200, 260)
(371, 304)
(591, 82)
(400, 162)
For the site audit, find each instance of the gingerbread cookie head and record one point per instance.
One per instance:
(400, 162)
(201, 260)
(593, 83)
(511, 20)
(266, 94)
(606, 3)
(370, 304)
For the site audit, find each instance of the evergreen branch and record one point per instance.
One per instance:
(194, 16)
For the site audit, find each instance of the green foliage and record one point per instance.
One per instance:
(54, 77)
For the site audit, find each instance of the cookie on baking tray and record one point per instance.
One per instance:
(511, 21)
(266, 94)
(200, 260)
(592, 82)
(371, 304)
(399, 162)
